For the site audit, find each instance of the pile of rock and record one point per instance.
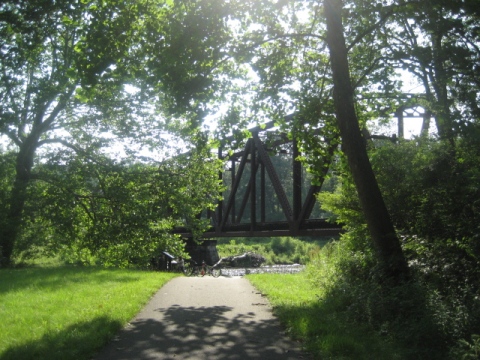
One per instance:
(246, 260)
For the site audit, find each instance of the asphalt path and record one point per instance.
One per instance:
(204, 318)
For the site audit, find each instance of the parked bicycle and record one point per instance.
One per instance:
(193, 269)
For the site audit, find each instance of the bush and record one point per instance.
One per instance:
(432, 194)
(400, 314)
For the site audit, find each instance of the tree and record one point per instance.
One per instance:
(100, 210)
(49, 50)
(437, 42)
(376, 214)
(284, 42)
(288, 53)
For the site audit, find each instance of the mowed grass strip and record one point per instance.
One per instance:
(319, 322)
(68, 312)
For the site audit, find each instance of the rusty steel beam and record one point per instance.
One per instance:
(297, 217)
(233, 184)
(219, 209)
(297, 184)
(234, 189)
(253, 185)
(310, 200)
(245, 199)
(277, 185)
(262, 193)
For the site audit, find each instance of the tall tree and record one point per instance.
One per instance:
(376, 214)
(437, 43)
(55, 56)
(285, 44)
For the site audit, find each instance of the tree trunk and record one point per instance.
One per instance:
(443, 116)
(9, 233)
(389, 252)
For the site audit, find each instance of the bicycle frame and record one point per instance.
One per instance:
(202, 270)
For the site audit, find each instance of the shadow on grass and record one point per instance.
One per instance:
(379, 326)
(51, 279)
(200, 333)
(327, 333)
(78, 341)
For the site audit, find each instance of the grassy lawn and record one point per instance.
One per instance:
(319, 323)
(68, 312)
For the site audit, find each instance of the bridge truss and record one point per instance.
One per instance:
(254, 179)
(256, 186)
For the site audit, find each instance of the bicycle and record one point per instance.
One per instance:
(189, 268)
(213, 271)
(193, 269)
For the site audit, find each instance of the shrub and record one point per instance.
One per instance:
(432, 194)
(400, 314)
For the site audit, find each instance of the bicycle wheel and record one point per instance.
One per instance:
(188, 270)
(216, 273)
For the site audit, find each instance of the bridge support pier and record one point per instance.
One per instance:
(203, 251)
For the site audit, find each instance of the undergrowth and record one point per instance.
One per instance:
(340, 310)
(320, 321)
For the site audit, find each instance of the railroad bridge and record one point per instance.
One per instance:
(268, 191)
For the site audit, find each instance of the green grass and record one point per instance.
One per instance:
(319, 322)
(68, 312)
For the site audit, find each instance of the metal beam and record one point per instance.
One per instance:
(245, 199)
(231, 198)
(317, 227)
(277, 185)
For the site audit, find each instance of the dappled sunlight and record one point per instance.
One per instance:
(206, 318)
(198, 332)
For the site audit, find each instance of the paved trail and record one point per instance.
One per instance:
(204, 318)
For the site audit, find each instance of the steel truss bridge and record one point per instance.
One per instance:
(257, 202)
(256, 184)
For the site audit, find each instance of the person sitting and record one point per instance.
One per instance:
(181, 264)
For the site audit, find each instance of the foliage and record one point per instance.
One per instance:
(103, 212)
(287, 53)
(68, 312)
(467, 349)
(64, 66)
(65, 70)
(441, 236)
(7, 169)
(76, 76)
(51, 61)
(434, 41)
(400, 314)
(181, 56)
(431, 195)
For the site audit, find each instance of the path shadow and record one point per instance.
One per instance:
(200, 333)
